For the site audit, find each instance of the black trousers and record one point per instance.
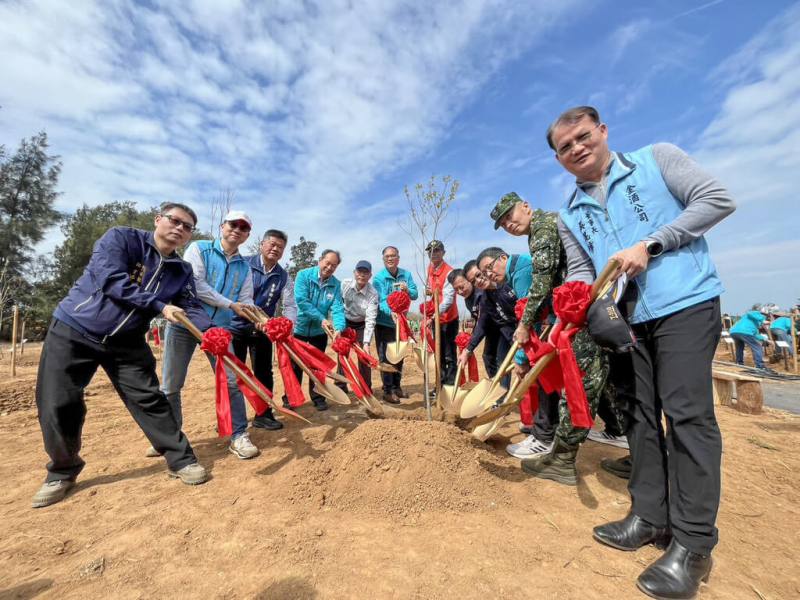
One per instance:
(320, 342)
(260, 349)
(366, 372)
(675, 479)
(449, 356)
(384, 335)
(545, 420)
(67, 364)
(491, 362)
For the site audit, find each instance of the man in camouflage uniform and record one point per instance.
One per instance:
(517, 218)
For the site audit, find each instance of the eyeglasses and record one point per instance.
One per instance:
(179, 224)
(490, 267)
(391, 256)
(580, 140)
(240, 225)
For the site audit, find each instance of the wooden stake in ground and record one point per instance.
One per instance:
(22, 338)
(15, 320)
(792, 316)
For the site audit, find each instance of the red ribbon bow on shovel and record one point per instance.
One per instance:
(462, 341)
(399, 302)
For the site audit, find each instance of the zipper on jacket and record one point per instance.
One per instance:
(146, 288)
(82, 304)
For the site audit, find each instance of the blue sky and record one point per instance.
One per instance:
(317, 115)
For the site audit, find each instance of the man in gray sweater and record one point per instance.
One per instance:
(650, 209)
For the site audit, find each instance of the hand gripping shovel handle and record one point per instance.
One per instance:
(184, 320)
(607, 275)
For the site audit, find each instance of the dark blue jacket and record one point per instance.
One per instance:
(495, 311)
(267, 290)
(126, 284)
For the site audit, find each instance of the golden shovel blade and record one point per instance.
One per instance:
(373, 405)
(484, 432)
(387, 368)
(396, 351)
(455, 404)
(336, 394)
(471, 405)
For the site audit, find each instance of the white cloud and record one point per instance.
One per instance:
(751, 146)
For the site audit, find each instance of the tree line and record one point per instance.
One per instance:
(37, 282)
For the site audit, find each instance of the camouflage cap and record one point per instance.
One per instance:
(434, 245)
(505, 204)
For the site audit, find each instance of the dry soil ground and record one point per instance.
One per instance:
(356, 508)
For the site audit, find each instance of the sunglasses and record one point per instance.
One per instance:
(186, 226)
(240, 225)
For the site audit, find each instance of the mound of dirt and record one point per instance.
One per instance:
(400, 468)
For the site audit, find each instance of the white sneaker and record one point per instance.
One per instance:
(601, 437)
(528, 448)
(243, 447)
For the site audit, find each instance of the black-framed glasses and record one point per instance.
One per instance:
(490, 267)
(179, 223)
(581, 139)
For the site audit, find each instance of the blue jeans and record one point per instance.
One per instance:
(179, 347)
(753, 343)
(781, 336)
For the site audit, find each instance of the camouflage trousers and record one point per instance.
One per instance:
(594, 364)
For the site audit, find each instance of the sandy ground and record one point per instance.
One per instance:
(356, 508)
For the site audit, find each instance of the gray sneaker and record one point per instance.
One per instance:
(243, 447)
(152, 453)
(51, 492)
(193, 474)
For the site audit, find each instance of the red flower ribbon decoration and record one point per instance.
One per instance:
(279, 331)
(342, 346)
(462, 341)
(399, 302)
(156, 337)
(428, 310)
(363, 356)
(570, 303)
(216, 341)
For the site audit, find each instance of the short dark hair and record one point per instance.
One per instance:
(451, 276)
(468, 265)
(491, 252)
(329, 251)
(276, 233)
(387, 247)
(570, 117)
(167, 206)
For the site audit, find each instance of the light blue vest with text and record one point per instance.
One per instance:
(639, 203)
(225, 277)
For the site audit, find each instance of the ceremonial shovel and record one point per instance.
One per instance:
(603, 280)
(184, 320)
(453, 395)
(396, 352)
(325, 389)
(370, 402)
(488, 391)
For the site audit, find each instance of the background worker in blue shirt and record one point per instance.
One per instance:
(650, 209)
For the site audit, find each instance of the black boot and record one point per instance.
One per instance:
(558, 465)
(677, 574)
(631, 533)
(267, 420)
(620, 467)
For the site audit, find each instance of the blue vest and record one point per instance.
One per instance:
(267, 287)
(638, 204)
(225, 277)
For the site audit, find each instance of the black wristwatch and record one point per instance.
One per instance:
(653, 248)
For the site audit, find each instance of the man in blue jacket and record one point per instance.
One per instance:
(650, 209)
(271, 285)
(224, 285)
(516, 270)
(390, 279)
(746, 332)
(320, 311)
(781, 329)
(132, 277)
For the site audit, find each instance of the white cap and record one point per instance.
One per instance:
(237, 215)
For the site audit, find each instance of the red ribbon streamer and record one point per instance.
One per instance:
(216, 341)
(462, 341)
(399, 302)
(342, 347)
(156, 337)
(570, 303)
(363, 356)
(279, 331)
(529, 405)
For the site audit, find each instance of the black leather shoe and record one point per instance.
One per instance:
(620, 467)
(631, 533)
(391, 398)
(267, 421)
(400, 393)
(677, 574)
